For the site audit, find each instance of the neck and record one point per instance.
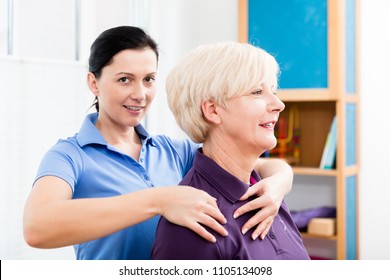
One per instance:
(230, 157)
(125, 139)
(115, 134)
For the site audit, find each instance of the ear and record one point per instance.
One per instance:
(210, 111)
(92, 83)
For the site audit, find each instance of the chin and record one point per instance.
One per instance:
(272, 144)
(266, 145)
(271, 147)
(133, 123)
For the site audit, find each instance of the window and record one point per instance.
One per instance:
(45, 29)
(4, 26)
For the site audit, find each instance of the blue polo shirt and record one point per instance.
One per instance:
(174, 242)
(94, 168)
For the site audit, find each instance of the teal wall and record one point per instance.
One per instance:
(296, 35)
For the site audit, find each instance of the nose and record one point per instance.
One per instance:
(138, 92)
(276, 104)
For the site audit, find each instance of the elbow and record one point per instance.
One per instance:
(33, 236)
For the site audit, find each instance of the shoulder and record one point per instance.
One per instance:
(175, 143)
(62, 160)
(181, 150)
(174, 242)
(65, 154)
(68, 146)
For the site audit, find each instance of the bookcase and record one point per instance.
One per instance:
(316, 45)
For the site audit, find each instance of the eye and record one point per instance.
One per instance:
(258, 92)
(150, 79)
(124, 80)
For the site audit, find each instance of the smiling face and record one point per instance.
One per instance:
(249, 119)
(126, 87)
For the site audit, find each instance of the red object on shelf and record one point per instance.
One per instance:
(282, 134)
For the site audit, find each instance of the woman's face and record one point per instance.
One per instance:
(126, 87)
(249, 120)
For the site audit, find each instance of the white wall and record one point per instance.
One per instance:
(41, 101)
(375, 102)
(44, 100)
(179, 26)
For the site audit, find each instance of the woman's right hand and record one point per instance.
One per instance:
(192, 208)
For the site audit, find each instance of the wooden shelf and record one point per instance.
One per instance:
(297, 95)
(349, 171)
(317, 236)
(314, 171)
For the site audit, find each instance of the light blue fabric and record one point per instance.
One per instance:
(95, 169)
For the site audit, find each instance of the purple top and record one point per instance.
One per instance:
(175, 242)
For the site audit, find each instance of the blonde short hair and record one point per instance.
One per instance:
(218, 72)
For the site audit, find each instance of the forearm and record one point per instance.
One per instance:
(73, 221)
(282, 170)
(53, 219)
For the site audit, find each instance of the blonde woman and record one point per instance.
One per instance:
(223, 96)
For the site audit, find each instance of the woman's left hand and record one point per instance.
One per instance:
(270, 192)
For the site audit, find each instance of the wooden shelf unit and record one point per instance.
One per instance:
(316, 46)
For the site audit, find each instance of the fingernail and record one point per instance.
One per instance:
(244, 230)
(262, 236)
(254, 236)
(235, 215)
(213, 239)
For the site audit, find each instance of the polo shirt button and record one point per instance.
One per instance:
(272, 235)
(141, 159)
(146, 177)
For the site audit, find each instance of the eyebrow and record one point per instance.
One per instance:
(124, 73)
(131, 74)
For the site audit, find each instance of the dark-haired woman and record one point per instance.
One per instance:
(103, 189)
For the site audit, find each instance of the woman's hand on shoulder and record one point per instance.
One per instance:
(268, 201)
(270, 191)
(192, 208)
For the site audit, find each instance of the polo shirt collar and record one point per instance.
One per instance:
(225, 183)
(89, 134)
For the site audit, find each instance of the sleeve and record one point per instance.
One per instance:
(174, 242)
(63, 160)
(186, 150)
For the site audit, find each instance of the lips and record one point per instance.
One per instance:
(134, 108)
(268, 125)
